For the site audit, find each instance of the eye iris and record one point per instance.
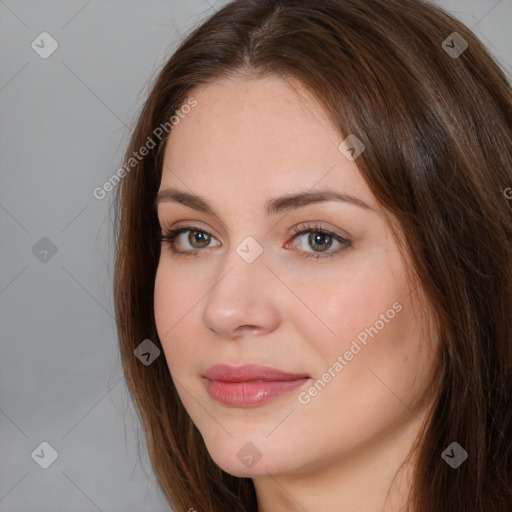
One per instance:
(313, 240)
(192, 238)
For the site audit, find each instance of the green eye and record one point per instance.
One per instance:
(199, 239)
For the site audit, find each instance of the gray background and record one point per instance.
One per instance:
(65, 122)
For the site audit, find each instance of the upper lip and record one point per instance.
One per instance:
(250, 372)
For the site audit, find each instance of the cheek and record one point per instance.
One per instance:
(174, 296)
(164, 303)
(380, 337)
(349, 306)
(173, 309)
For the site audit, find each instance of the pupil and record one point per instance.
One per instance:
(315, 237)
(198, 234)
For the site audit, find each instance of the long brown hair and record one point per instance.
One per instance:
(436, 120)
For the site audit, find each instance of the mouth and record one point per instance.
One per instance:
(250, 385)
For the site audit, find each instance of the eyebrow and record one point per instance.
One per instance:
(273, 206)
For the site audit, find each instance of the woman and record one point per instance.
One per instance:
(319, 241)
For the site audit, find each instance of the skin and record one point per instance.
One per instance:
(245, 142)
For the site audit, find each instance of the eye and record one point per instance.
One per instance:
(319, 238)
(197, 238)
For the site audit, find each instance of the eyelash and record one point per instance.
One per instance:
(170, 239)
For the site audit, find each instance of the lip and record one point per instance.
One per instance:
(250, 385)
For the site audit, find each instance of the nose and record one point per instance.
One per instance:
(243, 299)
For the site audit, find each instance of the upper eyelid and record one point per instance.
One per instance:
(298, 229)
(314, 224)
(190, 226)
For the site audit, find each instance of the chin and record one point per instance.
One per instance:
(246, 459)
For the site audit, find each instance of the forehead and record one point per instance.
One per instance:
(257, 135)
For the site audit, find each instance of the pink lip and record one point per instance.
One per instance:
(250, 385)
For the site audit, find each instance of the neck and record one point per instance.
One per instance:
(359, 481)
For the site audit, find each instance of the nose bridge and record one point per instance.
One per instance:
(242, 294)
(245, 263)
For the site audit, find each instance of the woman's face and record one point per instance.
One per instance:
(338, 315)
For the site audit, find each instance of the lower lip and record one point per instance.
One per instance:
(247, 394)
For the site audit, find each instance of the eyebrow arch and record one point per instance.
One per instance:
(273, 206)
